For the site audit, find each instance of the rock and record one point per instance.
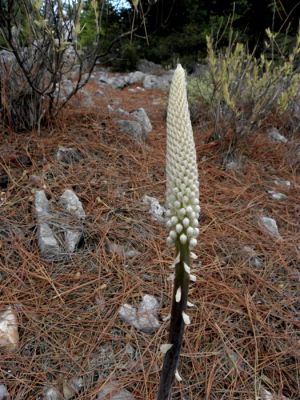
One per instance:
(157, 82)
(117, 82)
(276, 136)
(277, 195)
(137, 126)
(122, 112)
(271, 227)
(73, 206)
(149, 67)
(233, 165)
(147, 314)
(145, 318)
(68, 155)
(132, 128)
(128, 314)
(52, 393)
(86, 99)
(253, 258)
(135, 77)
(136, 90)
(141, 116)
(99, 93)
(112, 391)
(66, 88)
(121, 251)
(9, 336)
(72, 387)
(283, 183)
(48, 244)
(155, 209)
(4, 395)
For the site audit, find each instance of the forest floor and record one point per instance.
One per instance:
(244, 339)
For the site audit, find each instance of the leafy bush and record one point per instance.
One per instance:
(127, 57)
(243, 90)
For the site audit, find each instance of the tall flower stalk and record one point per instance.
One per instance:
(182, 201)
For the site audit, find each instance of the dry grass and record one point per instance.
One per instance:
(245, 331)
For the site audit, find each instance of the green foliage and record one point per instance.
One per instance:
(244, 90)
(88, 28)
(127, 58)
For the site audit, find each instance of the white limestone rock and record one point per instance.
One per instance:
(48, 244)
(275, 136)
(157, 211)
(270, 225)
(9, 336)
(283, 183)
(73, 206)
(132, 128)
(252, 256)
(157, 82)
(277, 195)
(112, 391)
(67, 155)
(135, 77)
(4, 395)
(141, 116)
(145, 318)
(147, 314)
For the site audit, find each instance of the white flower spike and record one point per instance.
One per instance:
(182, 197)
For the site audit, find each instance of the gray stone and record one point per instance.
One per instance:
(233, 165)
(67, 155)
(283, 183)
(73, 206)
(276, 136)
(277, 195)
(117, 82)
(157, 211)
(147, 314)
(4, 395)
(253, 258)
(157, 82)
(270, 226)
(99, 93)
(47, 241)
(143, 319)
(112, 391)
(72, 387)
(52, 393)
(128, 314)
(121, 251)
(141, 116)
(122, 112)
(135, 77)
(149, 67)
(66, 88)
(86, 99)
(132, 128)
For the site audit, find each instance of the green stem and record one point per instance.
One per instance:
(176, 324)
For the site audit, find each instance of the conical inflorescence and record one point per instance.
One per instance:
(182, 194)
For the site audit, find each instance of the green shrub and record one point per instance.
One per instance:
(244, 90)
(127, 57)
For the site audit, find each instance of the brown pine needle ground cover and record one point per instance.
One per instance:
(245, 331)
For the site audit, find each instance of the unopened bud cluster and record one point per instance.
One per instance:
(182, 196)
